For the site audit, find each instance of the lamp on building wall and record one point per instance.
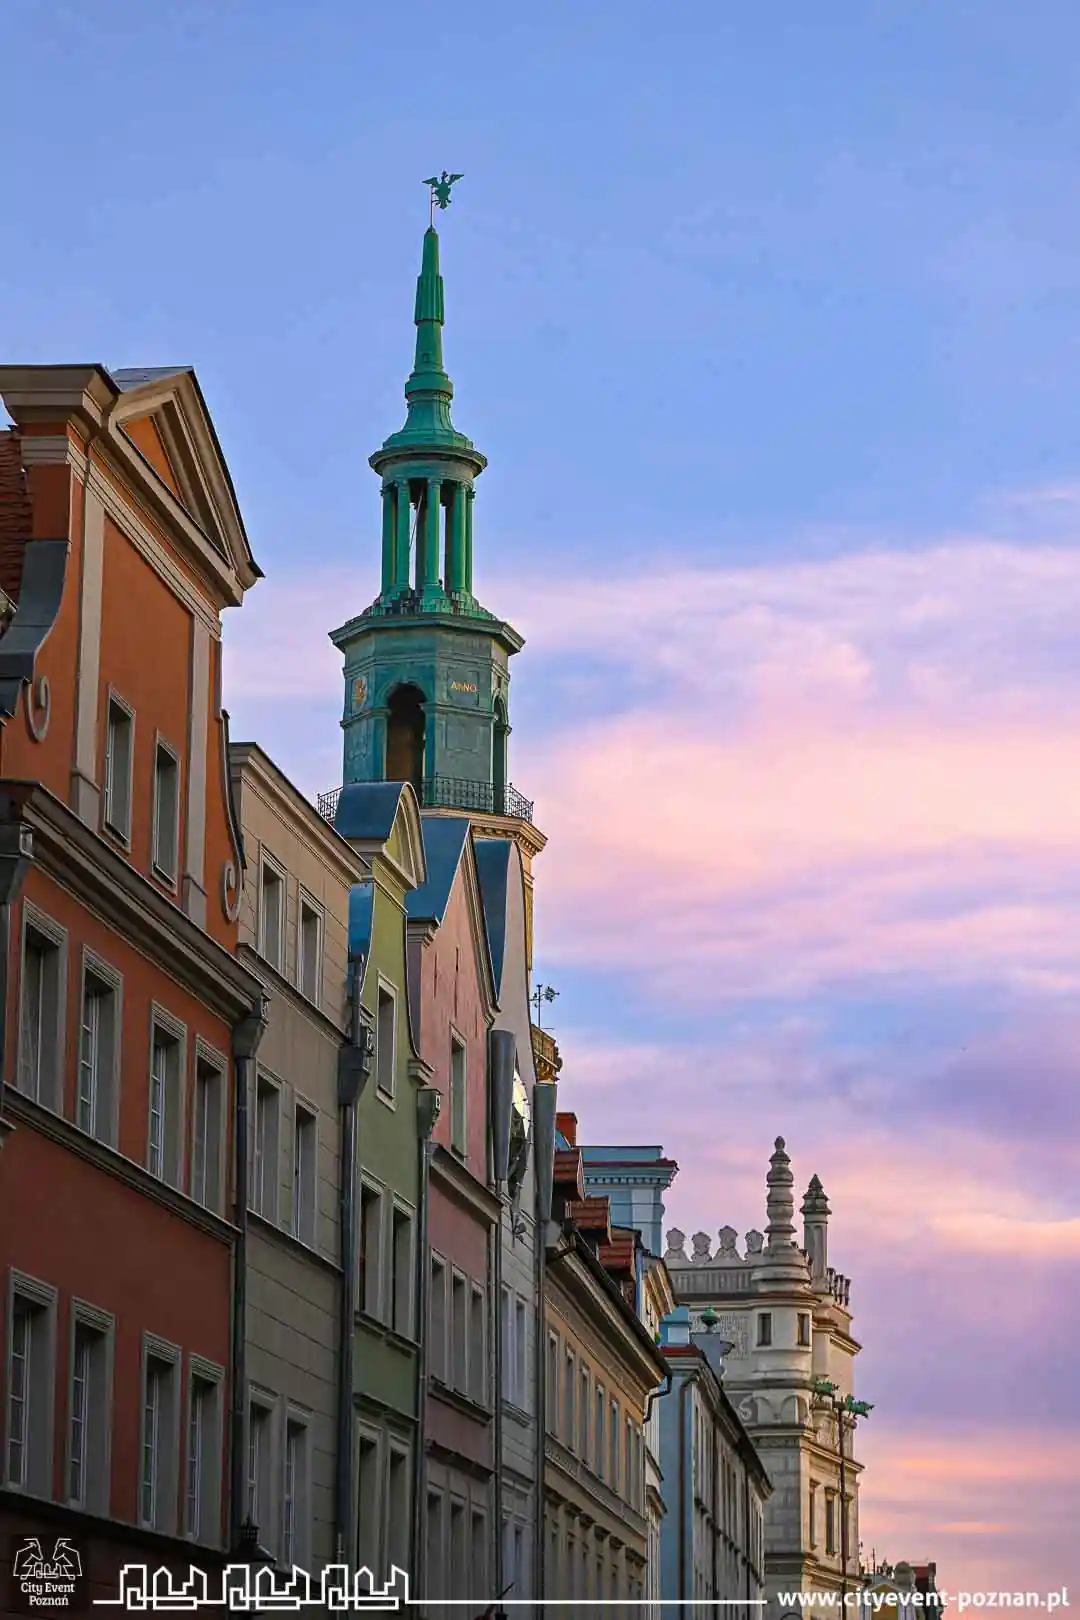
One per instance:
(847, 1411)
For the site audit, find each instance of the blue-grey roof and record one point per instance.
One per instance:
(493, 870)
(134, 376)
(444, 842)
(366, 810)
(361, 917)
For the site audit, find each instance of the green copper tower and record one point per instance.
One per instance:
(426, 667)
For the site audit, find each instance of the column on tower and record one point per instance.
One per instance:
(470, 495)
(389, 522)
(401, 550)
(455, 540)
(432, 513)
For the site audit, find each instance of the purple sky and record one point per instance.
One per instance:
(768, 319)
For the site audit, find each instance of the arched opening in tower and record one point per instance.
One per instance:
(498, 758)
(405, 729)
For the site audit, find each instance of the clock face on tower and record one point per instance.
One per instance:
(359, 692)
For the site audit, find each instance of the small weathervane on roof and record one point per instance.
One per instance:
(440, 190)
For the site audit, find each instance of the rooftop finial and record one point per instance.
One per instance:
(440, 191)
(781, 1204)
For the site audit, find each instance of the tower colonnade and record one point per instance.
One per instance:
(443, 525)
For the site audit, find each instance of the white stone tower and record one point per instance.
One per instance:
(785, 1312)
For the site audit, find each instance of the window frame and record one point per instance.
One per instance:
(122, 835)
(207, 1057)
(98, 1445)
(764, 1330)
(265, 1084)
(298, 1556)
(368, 1516)
(40, 1426)
(438, 1320)
(167, 1355)
(166, 1023)
(371, 1301)
(386, 1094)
(401, 1287)
(33, 919)
(111, 980)
(478, 1357)
(211, 1377)
(459, 1095)
(309, 1236)
(166, 876)
(804, 1331)
(399, 1450)
(266, 1521)
(269, 863)
(307, 903)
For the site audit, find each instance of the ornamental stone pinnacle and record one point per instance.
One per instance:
(780, 1204)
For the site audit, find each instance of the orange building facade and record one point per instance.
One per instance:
(128, 1019)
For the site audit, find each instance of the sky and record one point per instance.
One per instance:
(767, 318)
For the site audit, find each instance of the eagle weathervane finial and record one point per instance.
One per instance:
(440, 190)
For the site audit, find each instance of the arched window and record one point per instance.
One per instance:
(405, 729)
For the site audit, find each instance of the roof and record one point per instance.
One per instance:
(445, 838)
(366, 810)
(130, 377)
(493, 870)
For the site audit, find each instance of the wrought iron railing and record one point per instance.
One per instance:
(453, 793)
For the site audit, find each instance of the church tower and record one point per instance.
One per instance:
(427, 677)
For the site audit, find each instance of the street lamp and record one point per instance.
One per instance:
(848, 1412)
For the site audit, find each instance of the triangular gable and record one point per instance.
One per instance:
(383, 819)
(161, 413)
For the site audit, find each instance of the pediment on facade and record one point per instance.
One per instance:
(162, 416)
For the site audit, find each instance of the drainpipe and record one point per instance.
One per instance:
(354, 1071)
(246, 1036)
(746, 1533)
(715, 1508)
(683, 1391)
(544, 1105)
(429, 1106)
(16, 853)
(502, 1062)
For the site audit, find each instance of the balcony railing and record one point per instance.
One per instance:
(453, 793)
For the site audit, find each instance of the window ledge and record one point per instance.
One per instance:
(468, 1404)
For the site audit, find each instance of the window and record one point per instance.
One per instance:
(521, 1351)
(157, 1496)
(272, 915)
(30, 1369)
(459, 1573)
(260, 1475)
(583, 1416)
(804, 1327)
(203, 1460)
(166, 826)
(830, 1523)
(41, 1013)
(207, 1134)
(459, 1331)
(119, 753)
(458, 1139)
(295, 1511)
(478, 1375)
(401, 1272)
(368, 1502)
(369, 1283)
(166, 1105)
(569, 1389)
(436, 1544)
(628, 1460)
(99, 1051)
(385, 1025)
(601, 1439)
(309, 951)
(89, 1426)
(764, 1328)
(438, 1320)
(551, 1387)
(265, 1163)
(813, 1514)
(613, 1442)
(478, 1552)
(397, 1511)
(304, 1181)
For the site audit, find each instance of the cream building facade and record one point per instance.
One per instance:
(786, 1314)
(293, 932)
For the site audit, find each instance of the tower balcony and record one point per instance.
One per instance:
(453, 793)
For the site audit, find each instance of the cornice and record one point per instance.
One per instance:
(456, 1179)
(255, 769)
(584, 1282)
(82, 863)
(274, 982)
(113, 1163)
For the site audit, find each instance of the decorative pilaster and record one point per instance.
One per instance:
(389, 517)
(455, 542)
(404, 515)
(470, 496)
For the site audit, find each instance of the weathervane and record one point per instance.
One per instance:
(440, 190)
